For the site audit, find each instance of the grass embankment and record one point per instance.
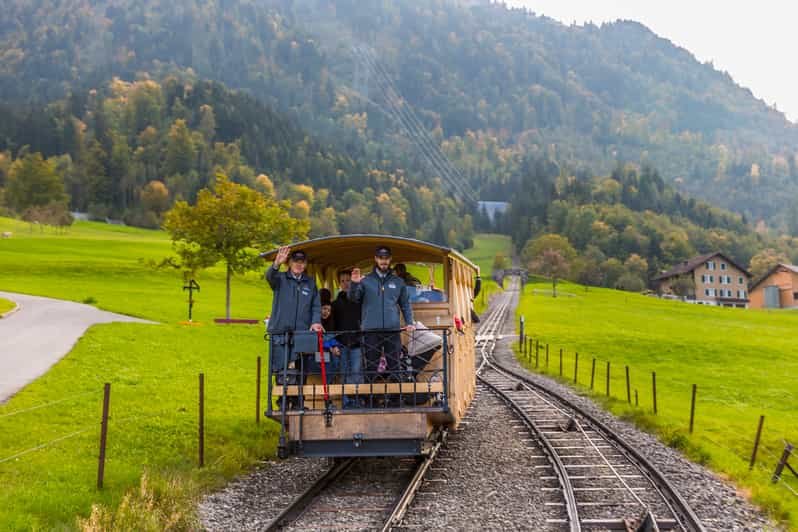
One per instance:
(153, 371)
(743, 362)
(482, 254)
(6, 305)
(153, 374)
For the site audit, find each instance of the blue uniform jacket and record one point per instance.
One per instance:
(381, 299)
(296, 304)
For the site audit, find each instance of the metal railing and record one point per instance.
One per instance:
(358, 371)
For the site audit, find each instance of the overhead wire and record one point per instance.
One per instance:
(422, 135)
(412, 127)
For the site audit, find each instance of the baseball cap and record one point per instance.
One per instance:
(299, 255)
(382, 251)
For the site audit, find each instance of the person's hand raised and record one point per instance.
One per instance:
(282, 255)
(356, 276)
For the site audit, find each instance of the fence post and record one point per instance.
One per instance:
(756, 442)
(654, 389)
(782, 462)
(521, 329)
(257, 396)
(561, 362)
(103, 435)
(637, 401)
(692, 409)
(628, 387)
(608, 378)
(593, 373)
(201, 419)
(576, 367)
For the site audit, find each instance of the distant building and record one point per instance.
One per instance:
(491, 208)
(711, 279)
(777, 289)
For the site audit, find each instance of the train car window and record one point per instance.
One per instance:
(427, 285)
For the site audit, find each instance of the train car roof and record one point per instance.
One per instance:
(351, 249)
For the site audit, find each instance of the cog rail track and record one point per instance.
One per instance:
(604, 482)
(363, 479)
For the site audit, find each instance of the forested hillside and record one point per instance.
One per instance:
(480, 75)
(129, 150)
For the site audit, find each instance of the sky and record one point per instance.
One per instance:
(752, 41)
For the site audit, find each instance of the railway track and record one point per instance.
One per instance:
(600, 481)
(359, 494)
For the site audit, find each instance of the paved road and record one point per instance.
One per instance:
(40, 334)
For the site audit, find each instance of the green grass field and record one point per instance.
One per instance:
(6, 305)
(743, 362)
(482, 254)
(153, 371)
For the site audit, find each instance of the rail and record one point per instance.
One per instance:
(575, 419)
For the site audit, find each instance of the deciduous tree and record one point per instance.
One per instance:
(229, 222)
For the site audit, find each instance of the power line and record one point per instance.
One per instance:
(419, 132)
(412, 127)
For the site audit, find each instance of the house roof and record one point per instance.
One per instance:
(690, 265)
(790, 267)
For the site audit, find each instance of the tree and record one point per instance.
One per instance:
(32, 182)
(630, 282)
(766, 259)
(684, 286)
(154, 197)
(500, 262)
(228, 223)
(180, 149)
(552, 264)
(534, 248)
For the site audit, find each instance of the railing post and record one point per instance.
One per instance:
(576, 367)
(654, 389)
(445, 371)
(692, 409)
(782, 462)
(521, 329)
(201, 419)
(756, 442)
(593, 373)
(628, 387)
(103, 435)
(257, 394)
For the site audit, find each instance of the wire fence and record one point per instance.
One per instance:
(548, 360)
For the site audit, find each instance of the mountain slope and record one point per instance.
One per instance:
(586, 96)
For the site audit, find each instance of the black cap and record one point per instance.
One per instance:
(299, 255)
(382, 251)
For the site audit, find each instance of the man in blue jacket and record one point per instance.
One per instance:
(296, 305)
(382, 295)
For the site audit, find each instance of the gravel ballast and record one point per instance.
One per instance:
(714, 500)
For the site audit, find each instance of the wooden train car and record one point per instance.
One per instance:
(385, 414)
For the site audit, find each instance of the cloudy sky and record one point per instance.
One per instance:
(752, 41)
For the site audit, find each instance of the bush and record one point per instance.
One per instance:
(630, 282)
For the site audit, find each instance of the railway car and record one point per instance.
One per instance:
(399, 407)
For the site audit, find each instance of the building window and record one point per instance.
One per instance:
(711, 278)
(711, 265)
(795, 296)
(706, 292)
(741, 294)
(703, 278)
(740, 280)
(722, 265)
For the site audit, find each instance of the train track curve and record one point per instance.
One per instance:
(602, 482)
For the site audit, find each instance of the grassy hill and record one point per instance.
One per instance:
(153, 374)
(482, 254)
(743, 362)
